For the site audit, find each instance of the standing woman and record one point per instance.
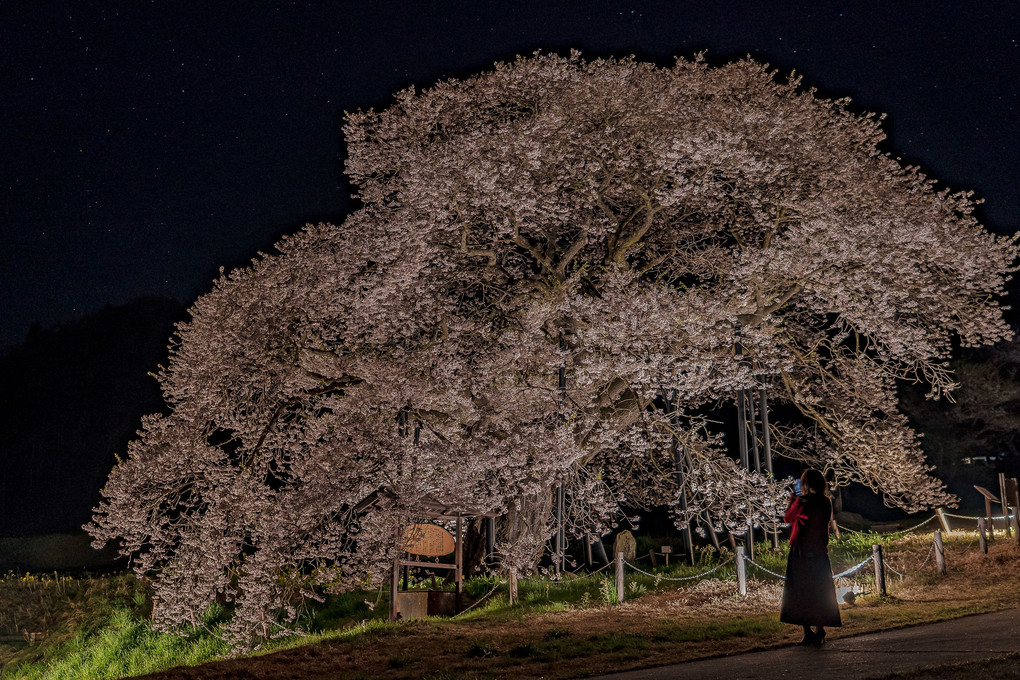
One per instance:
(809, 597)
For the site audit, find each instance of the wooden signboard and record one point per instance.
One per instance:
(428, 540)
(1011, 491)
(989, 499)
(989, 496)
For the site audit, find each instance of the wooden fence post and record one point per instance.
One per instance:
(619, 577)
(651, 556)
(741, 571)
(876, 552)
(1004, 501)
(940, 554)
(513, 585)
(1016, 525)
(941, 512)
(982, 538)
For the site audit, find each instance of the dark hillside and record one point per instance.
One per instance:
(72, 398)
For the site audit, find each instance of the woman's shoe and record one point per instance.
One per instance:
(810, 640)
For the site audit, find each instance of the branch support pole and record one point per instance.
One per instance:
(766, 442)
(738, 350)
(753, 426)
(678, 470)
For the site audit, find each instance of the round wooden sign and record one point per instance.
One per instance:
(428, 540)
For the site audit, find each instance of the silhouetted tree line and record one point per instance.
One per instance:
(73, 397)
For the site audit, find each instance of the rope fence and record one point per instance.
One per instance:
(880, 565)
(972, 518)
(660, 577)
(854, 569)
(893, 533)
(931, 551)
(765, 569)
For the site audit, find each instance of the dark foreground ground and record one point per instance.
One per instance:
(981, 646)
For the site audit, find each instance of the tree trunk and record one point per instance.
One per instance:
(527, 529)
(474, 546)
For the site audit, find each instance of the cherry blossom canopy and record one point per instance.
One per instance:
(544, 285)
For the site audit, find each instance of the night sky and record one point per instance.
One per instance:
(147, 144)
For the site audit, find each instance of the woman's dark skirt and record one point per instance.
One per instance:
(809, 597)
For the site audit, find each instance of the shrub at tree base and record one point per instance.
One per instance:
(544, 285)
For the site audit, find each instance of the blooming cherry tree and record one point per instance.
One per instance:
(543, 287)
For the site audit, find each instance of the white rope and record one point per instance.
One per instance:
(588, 575)
(660, 577)
(563, 581)
(893, 533)
(916, 526)
(854, 569)
(766, 570)
(996, 518)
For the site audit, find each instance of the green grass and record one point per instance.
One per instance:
(126, 646)
(108, 633)
(719, 631)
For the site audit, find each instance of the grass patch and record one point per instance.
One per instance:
(738, 628)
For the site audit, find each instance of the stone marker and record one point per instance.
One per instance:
(626, 544)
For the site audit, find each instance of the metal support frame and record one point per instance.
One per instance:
(754, 430)
(766, 438)
(766, 442)
(742, 430)
(673, 402)
(560, 537)
(560, 501)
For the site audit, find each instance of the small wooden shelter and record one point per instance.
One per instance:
(416, 540)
